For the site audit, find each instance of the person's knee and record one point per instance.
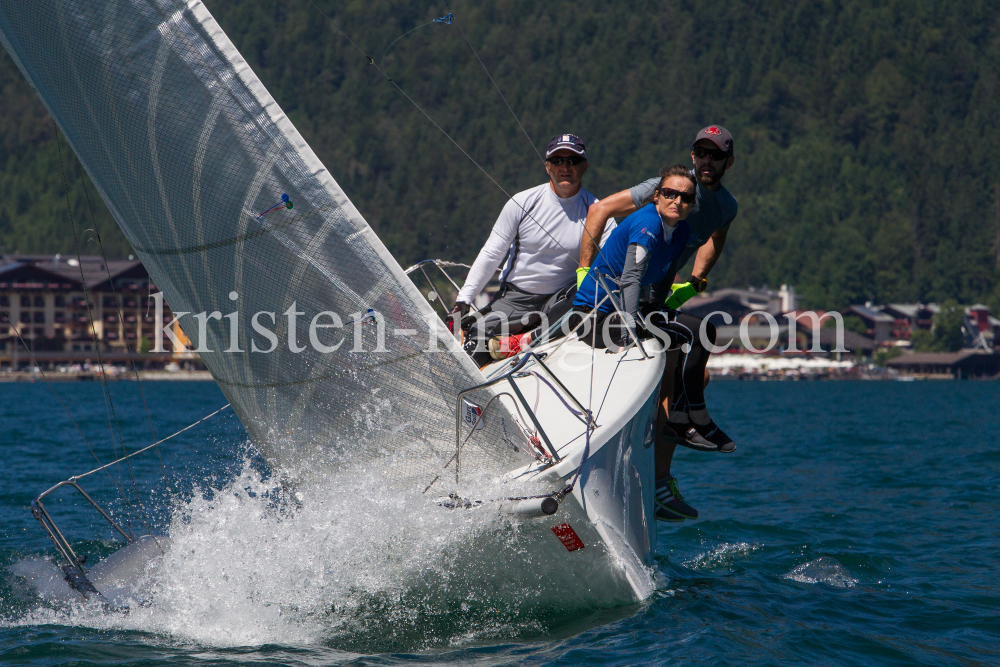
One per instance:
(495, 324)
(710, 334)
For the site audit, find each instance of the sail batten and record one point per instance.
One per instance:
(187, 148)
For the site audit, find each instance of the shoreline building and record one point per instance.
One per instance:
(44, 300)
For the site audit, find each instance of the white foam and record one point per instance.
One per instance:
(823, 570)
(722, 556)
(356, 566)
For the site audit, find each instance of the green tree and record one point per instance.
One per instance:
(948, 336)
(848, 117)
(851, 323)
(923, 341)
(886, 354)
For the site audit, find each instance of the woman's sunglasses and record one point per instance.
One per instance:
(670, 193)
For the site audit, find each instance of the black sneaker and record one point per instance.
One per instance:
(708, 438)
(675, 433)
(669, 502)
(668, 516)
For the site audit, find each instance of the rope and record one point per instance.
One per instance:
(590, 399)
(499, 92)
(100, 360)
(121, 317)
(520, 125)
(433, 122)
(479, 418)
(140, 451)
(35, 363)
(446, 19)
(579, 415)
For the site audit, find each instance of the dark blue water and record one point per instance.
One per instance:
(857, 524)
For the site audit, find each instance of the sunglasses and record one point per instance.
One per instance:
(571, 161)
(713, 153)
(670, 193)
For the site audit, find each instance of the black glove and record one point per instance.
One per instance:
(618, 333)
(460, 310)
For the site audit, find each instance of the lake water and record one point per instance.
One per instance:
(857, 524)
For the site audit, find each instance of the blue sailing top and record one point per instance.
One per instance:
(644, 227)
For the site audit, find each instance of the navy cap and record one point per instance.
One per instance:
(570, 142)
(718, 135)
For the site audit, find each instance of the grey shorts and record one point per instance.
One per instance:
(513, 312)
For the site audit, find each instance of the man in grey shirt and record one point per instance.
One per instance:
(715, 210)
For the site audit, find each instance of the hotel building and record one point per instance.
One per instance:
(43, 297)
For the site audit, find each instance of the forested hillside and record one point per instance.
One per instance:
(865, 131)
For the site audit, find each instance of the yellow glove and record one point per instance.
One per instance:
(581, 273)
(681, 293)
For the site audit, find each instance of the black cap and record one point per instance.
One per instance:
(718, 135)
(570, 142)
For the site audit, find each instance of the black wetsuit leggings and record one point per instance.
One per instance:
(689, 374)
(685, 333)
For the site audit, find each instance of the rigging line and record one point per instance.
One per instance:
(35, 363)
(499, 92)
(382, 59)
(485, 173)
(147, 447)
(607, 390)
(586, 231)
(86, 291)
(590, 399)
(121, 316)
(479, 166)
(86, 295)
(479, 419)
(97, 345)
(502, 189)
(371, 61)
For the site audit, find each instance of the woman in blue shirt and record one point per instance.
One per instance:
(640, 252)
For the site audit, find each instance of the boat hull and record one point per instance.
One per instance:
(616, 493)
(611, 506)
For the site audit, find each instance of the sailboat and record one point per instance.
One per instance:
(245, 230)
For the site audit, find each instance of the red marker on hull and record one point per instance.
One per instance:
(568, 537)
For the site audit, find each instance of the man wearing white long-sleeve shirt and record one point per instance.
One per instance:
(539, 232)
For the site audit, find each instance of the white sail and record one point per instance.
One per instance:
(188, 150)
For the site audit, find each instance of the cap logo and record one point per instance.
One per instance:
(713, 130)
(566, 138)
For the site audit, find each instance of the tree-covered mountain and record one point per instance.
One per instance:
(865, 133)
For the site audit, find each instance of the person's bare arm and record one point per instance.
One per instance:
(617, 205)
(708, 254)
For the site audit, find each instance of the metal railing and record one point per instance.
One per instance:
(73, 566)
(510, 376)
(509, 373)
(441, 266)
